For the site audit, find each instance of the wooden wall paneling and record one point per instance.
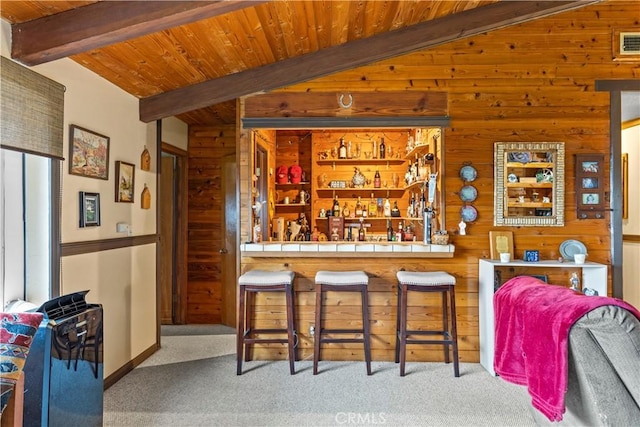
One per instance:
(207, 147)
(326, 104)
(527, 83)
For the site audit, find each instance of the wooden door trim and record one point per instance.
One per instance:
(615, 89)
(180, 267)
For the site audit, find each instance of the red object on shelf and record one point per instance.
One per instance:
(282, 175)
(295, 174)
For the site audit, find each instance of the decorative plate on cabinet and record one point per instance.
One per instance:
(469, 213)
(468, 173)
(512, 177)
(569, 248)
(468, 193)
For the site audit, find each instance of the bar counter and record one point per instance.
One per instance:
(346, 250)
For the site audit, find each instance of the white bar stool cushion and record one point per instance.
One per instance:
(425, 278)
(266, 278)
(342, 278)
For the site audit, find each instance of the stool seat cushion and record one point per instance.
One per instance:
(425, 278)
(266, 278)
(342, 278)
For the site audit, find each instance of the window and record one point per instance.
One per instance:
(30, 227)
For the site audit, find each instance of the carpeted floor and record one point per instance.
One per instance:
(192, 381)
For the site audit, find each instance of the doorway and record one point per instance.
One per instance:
(228, 251)
(172, 229)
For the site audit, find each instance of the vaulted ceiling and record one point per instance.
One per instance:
(192, 59)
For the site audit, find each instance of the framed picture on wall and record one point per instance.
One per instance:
(589, 182)
(125, 176)
(88, 153)
(89, 209)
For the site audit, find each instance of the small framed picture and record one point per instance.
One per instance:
(590, 186)
(590, 198)
(89, 209)
(589, 183)
(88, 153)
(125, 175)
(500, 242)
(590, 167)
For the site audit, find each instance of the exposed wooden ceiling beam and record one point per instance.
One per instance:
(350, 55)
(107, 22)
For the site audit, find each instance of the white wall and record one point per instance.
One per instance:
(175, 132)
(122, 280)
(631, 225)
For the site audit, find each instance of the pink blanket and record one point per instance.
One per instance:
(532, 324)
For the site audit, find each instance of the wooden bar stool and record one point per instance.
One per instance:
(436, 281)
(253, 282)
(342, 281)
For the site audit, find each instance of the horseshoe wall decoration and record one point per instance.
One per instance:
(343, 104)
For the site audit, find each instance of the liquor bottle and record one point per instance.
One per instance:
(373, 207)
(410, 207)
(349, 154)
(383, 149)
(345, 210)
(376, 179)
(395, 212)
(374, 149)
(390, 233)
(342, 150)
(400, 233)
(361, 235)
(358, 211)
(387, 208)
(336, 207)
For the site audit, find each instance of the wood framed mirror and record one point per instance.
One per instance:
(529, 183)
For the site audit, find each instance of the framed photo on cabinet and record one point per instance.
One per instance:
(590, 186)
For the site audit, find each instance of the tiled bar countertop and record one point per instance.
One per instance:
(346, 249)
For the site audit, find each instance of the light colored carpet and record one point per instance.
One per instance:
(192, 381)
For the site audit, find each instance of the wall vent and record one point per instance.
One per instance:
(629, 43)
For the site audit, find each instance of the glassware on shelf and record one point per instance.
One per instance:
(395, 179)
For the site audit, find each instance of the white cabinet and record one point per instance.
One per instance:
(594, 276)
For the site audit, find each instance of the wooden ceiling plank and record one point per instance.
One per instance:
(349, 55)
(107, 22)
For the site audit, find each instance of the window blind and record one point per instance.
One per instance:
(31, 111)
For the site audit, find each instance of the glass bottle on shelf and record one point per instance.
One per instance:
(390, 232)
(373, 207)
(383, 149)
(395, 212)
(361, 235)
(410, 206)
(336, 207)
(342, 150)
(345, 210)
(387, 208)
(374, 149)
(358, 210)
(376, 179)
(400, 233)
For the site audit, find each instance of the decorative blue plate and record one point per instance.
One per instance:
(469, 213)
(512, 177)
(468, 193)
(468, 173)
(569, 248)
(520, 157)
